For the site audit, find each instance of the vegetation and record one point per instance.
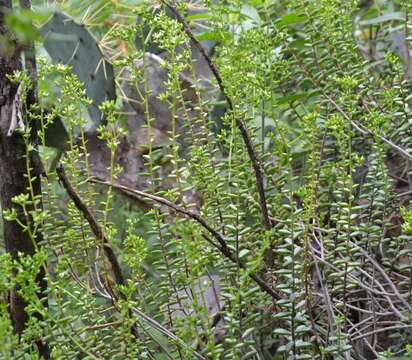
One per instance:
(206, 179)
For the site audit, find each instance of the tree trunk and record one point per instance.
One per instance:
(12, 177)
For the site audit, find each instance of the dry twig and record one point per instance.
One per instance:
(221, 242)
(239, 123)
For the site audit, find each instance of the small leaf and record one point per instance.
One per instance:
(243, 253)
(281, 331)
(291, 19)
(248, 332)
(199, 16)
(218, 36)
(302, 329)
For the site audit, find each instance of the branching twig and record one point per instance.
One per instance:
(367, 132)
(221, 245)
(384, 275)
(239, 123)
(228, 254)
(119, 277)
(97, 230)
(395, 327)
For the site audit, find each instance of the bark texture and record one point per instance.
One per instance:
(12, 176)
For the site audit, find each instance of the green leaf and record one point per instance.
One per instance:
(144, 40)
(199, 16)
(248, 332)
(291, 19)
(243, 253)
(255, 3)
(281, 331)
(218, 36)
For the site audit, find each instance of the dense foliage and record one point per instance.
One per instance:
(266, 215)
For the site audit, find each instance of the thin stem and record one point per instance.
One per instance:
(239, 123)
(221, 245)
(366, 132)
(96, 228)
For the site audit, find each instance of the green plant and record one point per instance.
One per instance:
(283, 234)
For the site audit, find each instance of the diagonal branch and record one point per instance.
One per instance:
(119, 277)
(221, 242)
(97, 230)
(366, 132)
(239, 123)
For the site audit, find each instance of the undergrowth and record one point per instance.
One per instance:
(285, 239)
